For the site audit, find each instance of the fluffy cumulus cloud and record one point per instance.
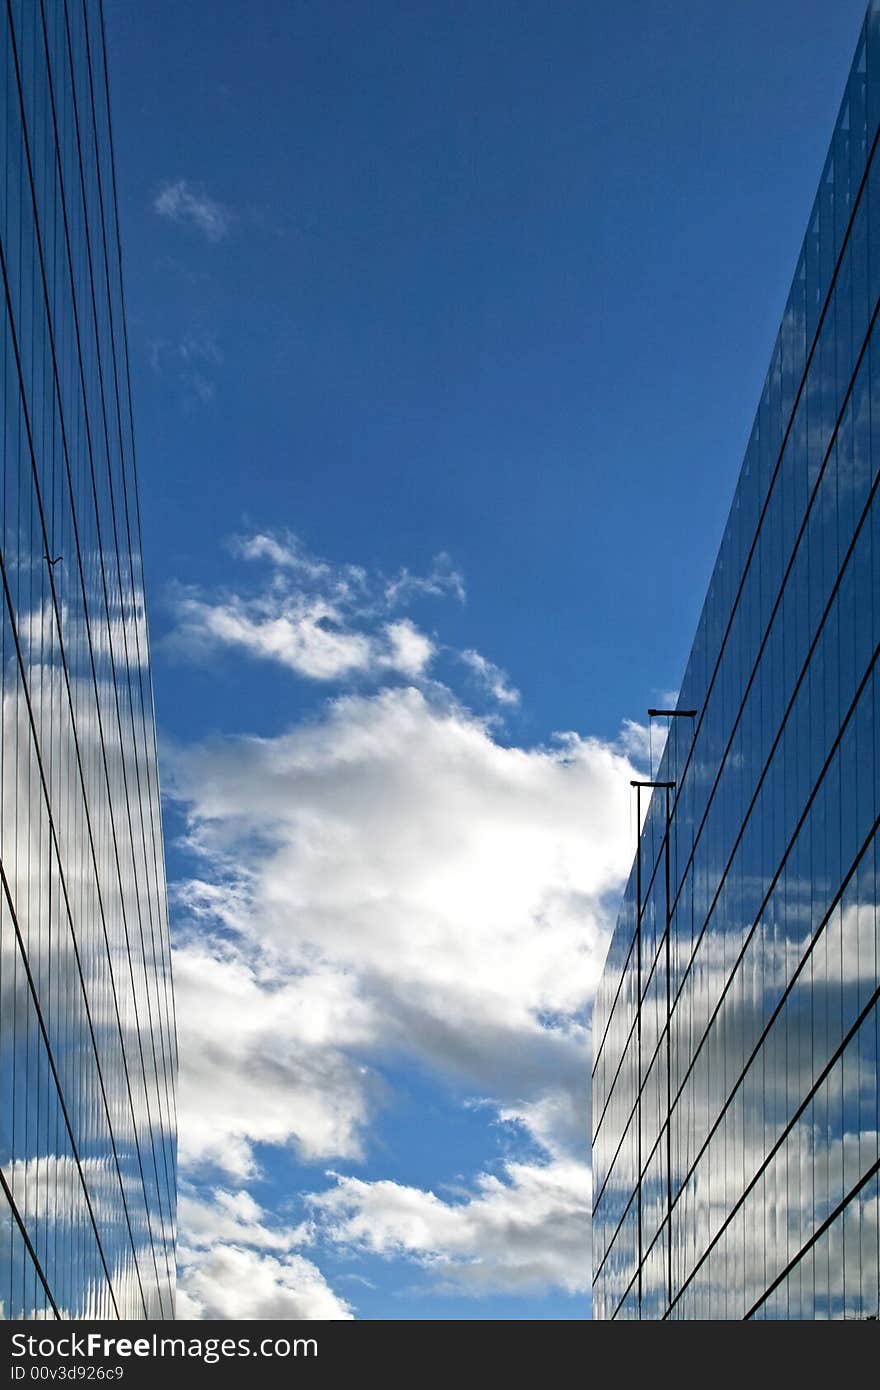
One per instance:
(387, 880)
(459, 882)
(279, 1071)
(236, 1261)
(228, 1281)
(523, 1233)
(310, 636)
(235, 1217)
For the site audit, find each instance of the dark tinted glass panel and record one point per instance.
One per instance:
(87, 1040)
(735, 1086)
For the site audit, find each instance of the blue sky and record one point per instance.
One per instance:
(447, 325)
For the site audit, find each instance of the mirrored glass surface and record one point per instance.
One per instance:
(735, 1084)
(87, 1036)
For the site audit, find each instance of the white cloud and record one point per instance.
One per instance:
(409, 651)
(492, 678)
(57, 1183)
(236, 1261)
(324, 622)
(387, 882)
(523, 1233)
(637, 740)
(285, 551)
(180, 201)
(404, 841)
(419, 886)
(231, 1281)
(375, 592)
(308, 636)
(276, 1071)
(234, 1218)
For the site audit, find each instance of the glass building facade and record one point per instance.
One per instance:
(736, 1030)
(87, 1038)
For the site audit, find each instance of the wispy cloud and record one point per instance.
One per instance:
(443, 579)
(323, 621)
(644, 743)
(286, 551)
(491, 678)
(191, 360)
(636, 740)
(180, 201)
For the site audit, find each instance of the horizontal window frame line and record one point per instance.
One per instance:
(826, 612)
(765, 506)
(615, 1078)
(618, 1227)
(38, 236)
(73, 720)
(814, 939)
(816, 1237)
(57, 850)
(50, 1057)
(63, 885)
(170, 1005)
(636, 1018)
(763, 904)
(164, 1030)
(826, 1070)
(636, 1015)
(34, 735)
(28, 1244)
(824, 618)
(164, 1022)
(777, 602)
(854, 1028)
(94, 277)
(673, 1102)
(125, 512)
(801, 677)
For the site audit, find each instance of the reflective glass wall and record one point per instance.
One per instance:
(87, 1039)
(735, 1084)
